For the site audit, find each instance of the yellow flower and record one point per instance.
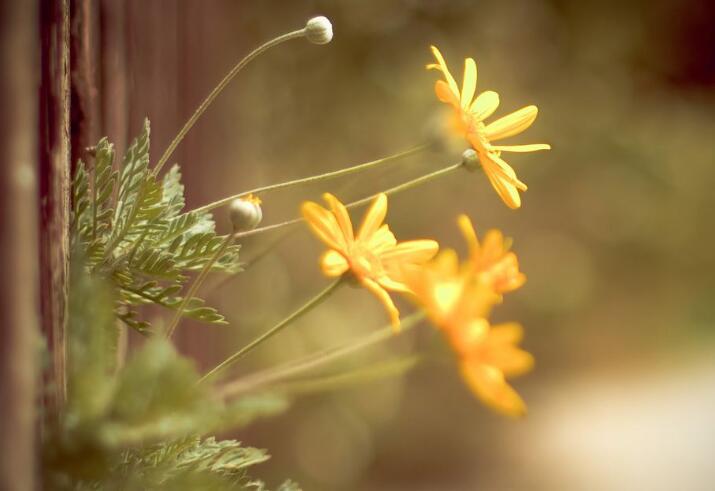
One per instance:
(447, 291)
(459, 306)
(468, 122)
(492, 261)
(487, 356)
(373, 256)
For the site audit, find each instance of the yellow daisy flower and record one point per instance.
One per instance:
(487, 356)
(492, 261)
(373, 256)
(469, 115)
(459, 306)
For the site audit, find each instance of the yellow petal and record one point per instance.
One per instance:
(511, 124)
(469, 83)
(411, 251)
(442, 66)
(488, 383)
(333, 263)
(507, 333)
(465, 225)
(341, 216)
(373, 218)
(506, 172)
(444, 94)
(522, 148)
(512, 361)
(389, 282)
(484, 105)
(385, 299)
(506, 191)
(381, 240)
(323, 224)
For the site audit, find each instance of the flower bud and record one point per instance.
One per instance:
(470, 159)
(245, 213)
(319, 30)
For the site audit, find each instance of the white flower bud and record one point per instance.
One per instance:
(319, 30)
(470, 159)
(245, 213)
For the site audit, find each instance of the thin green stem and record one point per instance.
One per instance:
(393, 190)
(217, 90)
(371, 373)
(309, 305)
(267, 377)
(196, 284)
(312, 179)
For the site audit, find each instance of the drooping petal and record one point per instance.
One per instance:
(333, 263)
(341, 216)
(484, 105)
(373, 218)
(487, 383)
(465, 225)
(507, 172)
(469, 83)
(388, 282)
(506, 191)
(534, 147)
(511, 124)
(442, 66)
(323, 224)
(385, 299)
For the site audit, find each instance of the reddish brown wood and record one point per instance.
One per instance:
(54, 181)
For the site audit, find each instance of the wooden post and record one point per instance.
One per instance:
(54, 183)
(18, 243)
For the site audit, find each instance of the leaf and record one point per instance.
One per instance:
(91, 342)
(157, 396)
(172, 192)
(80, 203)
(104, 181)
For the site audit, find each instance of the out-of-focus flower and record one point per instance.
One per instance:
(447, 291)
(468, 122)
(487, 356)
(492, 261)
(373, 256)
(245, 213)
(458, 301)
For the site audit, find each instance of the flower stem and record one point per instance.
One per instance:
(311, 179)
(218, 89)
(267, 377)
(317, 299)
(396, 189)
(371, 373)
(196, 284)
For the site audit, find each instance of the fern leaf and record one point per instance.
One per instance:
(104, 180)
(80, 203)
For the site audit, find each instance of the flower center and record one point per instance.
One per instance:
(363, 261)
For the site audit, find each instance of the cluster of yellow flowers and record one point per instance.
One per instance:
(457, 297)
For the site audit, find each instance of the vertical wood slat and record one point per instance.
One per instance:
(18, 243)
(54, 183)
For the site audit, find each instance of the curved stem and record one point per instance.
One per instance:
(396, 189)
(317, 299)
(217, 90)
(196, 284)
(261, 379)
(311, 179)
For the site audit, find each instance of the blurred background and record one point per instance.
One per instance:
(615, 233)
